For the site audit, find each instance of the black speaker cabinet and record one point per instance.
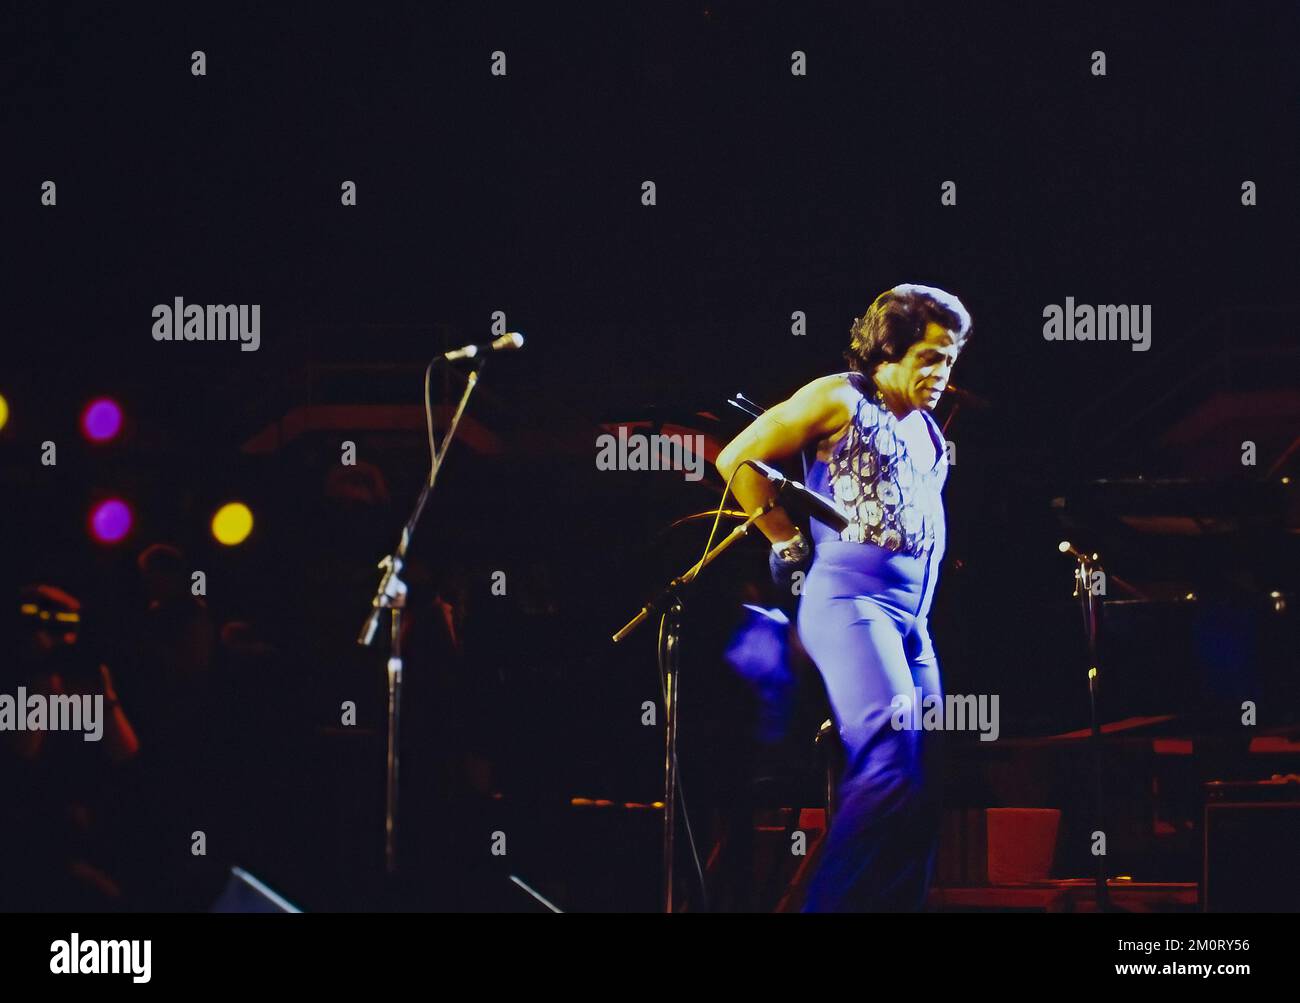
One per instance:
(1252, 832)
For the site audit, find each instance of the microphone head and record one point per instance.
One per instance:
(771, 473)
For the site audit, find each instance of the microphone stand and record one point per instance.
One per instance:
(391, 595)
(669, 605)
(1090, 606)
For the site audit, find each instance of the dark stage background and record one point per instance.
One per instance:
(522, 193)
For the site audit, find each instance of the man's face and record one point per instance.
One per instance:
(926, 368)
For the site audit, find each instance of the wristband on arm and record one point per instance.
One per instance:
(793, 550)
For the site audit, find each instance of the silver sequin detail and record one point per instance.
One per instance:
(892, 501)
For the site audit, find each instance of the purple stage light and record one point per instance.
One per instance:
(110, 520)
(101, 420)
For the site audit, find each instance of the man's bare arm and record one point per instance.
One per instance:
(815, 412)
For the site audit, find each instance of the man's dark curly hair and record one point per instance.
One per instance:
(897, 319)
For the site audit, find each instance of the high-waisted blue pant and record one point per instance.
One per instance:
(862, 620)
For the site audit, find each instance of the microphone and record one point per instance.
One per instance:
(800, 498)
(1066, 547)
(507, 342)
(966, 397)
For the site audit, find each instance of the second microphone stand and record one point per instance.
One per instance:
(668, 604)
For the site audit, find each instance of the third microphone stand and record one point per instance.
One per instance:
(1090, 606)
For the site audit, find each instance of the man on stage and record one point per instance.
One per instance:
(866, 597)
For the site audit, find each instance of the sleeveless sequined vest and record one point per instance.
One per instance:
(890, 498)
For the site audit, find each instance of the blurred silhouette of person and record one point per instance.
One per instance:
(437, 722)
(57, 818)
(172, 691)
(177, 644)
